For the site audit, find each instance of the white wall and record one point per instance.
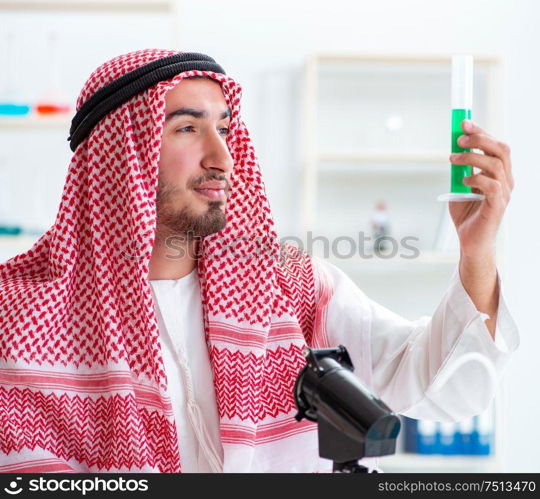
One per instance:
(34, 161)
(252, 39)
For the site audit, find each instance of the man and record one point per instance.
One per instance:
(159, 324)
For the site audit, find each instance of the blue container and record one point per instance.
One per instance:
(12, 109)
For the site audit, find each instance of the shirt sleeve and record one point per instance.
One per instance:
(418, 367)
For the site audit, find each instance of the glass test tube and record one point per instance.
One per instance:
(462, 96)
(11, 101)
(53, 101)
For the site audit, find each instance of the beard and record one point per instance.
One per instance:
(184, 222)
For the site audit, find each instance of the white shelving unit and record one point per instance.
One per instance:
(31, 178)
(377, 128)
(349, 104)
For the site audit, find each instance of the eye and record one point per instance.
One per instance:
(188, 128)
(224, 131)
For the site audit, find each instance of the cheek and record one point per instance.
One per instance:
(177, 161)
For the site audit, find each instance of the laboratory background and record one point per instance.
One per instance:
(348, 104)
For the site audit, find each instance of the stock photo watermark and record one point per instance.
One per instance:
(80, 486)
(264, 247)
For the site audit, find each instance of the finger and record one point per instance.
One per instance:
(491, 188)
(469, 126)
(488, 144)
(490, 165)
(472, 128)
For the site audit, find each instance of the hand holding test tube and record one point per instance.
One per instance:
(462, 97)
(483, 196)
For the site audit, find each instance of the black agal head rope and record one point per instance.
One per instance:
(122, 89)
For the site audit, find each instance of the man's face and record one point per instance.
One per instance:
(195, 164)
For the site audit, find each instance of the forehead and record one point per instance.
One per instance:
(196, 92)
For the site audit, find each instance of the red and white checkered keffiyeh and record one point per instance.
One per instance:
(82, 382)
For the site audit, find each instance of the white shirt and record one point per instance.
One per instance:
(189, 375)
(409, 358)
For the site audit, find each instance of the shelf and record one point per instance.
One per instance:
(359, 58)
(355, 169)
(21, 241)
(13, 245)
(71, 5)
(427, 259)
(33, 121)
(418, 463)
(376, 156)
(381, 162)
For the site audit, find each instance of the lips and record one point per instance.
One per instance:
(213, 194)
(213, 184)
(214, 190)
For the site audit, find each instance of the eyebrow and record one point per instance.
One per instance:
(196, 113)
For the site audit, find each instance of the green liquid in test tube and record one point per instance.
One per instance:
(459, 171)
(462, 95)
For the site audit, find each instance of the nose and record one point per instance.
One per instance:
(217, 155)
